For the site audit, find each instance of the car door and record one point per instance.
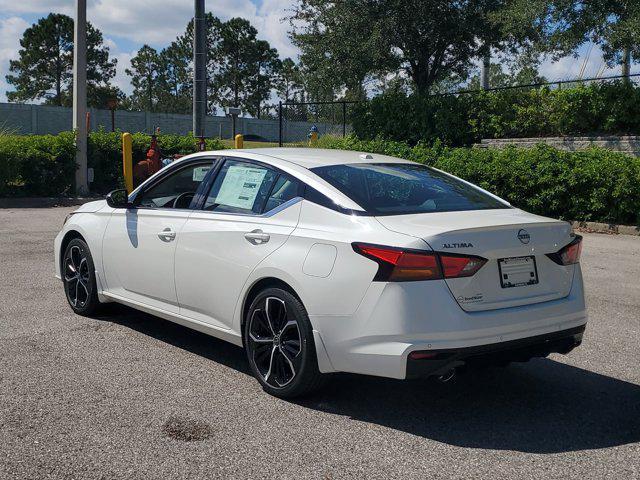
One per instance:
(250, 211)
(139, 243)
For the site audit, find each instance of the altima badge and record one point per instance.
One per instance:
(457, 245)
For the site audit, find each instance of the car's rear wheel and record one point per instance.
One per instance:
(79, 278)
(279, 343)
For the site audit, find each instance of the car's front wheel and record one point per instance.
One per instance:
(279, 343)
(79, 278)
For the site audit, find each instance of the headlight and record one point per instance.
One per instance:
(66, 219)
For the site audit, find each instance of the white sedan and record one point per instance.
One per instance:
(319, 261)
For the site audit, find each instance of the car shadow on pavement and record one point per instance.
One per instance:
(542, 406)
(185, 338)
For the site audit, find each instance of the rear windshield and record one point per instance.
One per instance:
(404, 188)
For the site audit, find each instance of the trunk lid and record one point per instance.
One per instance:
(515, 244)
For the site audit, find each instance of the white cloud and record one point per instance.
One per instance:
(122, 80)
(142, 21)
(275, 26)
(569, 68)
(11, 29)
(36, 6)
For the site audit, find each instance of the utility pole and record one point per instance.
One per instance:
(199, 68)
(80, 96)
(484, 71)
(626, 64)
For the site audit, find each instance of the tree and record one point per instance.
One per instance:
(614, 25)
(245, 67)
(44, 66)
(340, 44)
(346, 41)
(265, 75)
(100, 96)
(519, 70)
(288, 80)
(144, 73)
(184, 44)
(174, 79)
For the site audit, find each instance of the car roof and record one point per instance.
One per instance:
(299, 161)
(316, 157)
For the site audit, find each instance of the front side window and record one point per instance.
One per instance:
(404, 188)
(178, 189)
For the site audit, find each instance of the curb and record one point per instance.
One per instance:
(44, 202)
(609, 228)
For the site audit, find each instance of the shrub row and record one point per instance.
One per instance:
(44, 165)
(457, 120)
(591, 185)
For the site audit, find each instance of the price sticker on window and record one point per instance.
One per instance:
(240, 186)
(199, 173)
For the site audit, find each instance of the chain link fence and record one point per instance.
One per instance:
(297, 121)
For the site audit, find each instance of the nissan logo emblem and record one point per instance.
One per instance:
(524, 236)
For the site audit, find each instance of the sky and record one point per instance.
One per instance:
(128, 24)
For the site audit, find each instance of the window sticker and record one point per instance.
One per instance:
(199, 173)
(240, 186)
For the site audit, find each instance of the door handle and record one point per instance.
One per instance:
(167, 235)
(257, 237)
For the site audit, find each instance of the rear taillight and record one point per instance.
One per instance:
(455, 266)
(403, 265)
(569, 254)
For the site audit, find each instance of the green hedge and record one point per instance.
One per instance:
(595, 184)
(44, 165)
(591, 185)
(606, 108)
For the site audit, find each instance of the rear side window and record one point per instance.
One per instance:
(404, 188)
(284, 189)
(248, 188)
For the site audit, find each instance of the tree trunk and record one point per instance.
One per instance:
(420, 81)
(58, 88)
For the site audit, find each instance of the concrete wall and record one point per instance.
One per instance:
(626, 144)
(40, 119)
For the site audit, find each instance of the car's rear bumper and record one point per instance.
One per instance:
(396, 319)
(440, 362)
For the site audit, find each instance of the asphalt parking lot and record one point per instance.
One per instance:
(129, 395)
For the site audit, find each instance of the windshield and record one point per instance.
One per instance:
(404, 188)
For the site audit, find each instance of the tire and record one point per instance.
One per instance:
(79, 278)
(278, 340)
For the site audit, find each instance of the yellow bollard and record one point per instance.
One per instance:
(313, 139)
(239, 141)
(127, 161)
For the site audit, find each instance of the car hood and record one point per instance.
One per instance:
(91, 207)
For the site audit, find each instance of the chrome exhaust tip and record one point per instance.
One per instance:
(444, 378)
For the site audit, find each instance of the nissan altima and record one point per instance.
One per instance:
(318, 261)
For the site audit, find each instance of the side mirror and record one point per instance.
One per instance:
(118, 199)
